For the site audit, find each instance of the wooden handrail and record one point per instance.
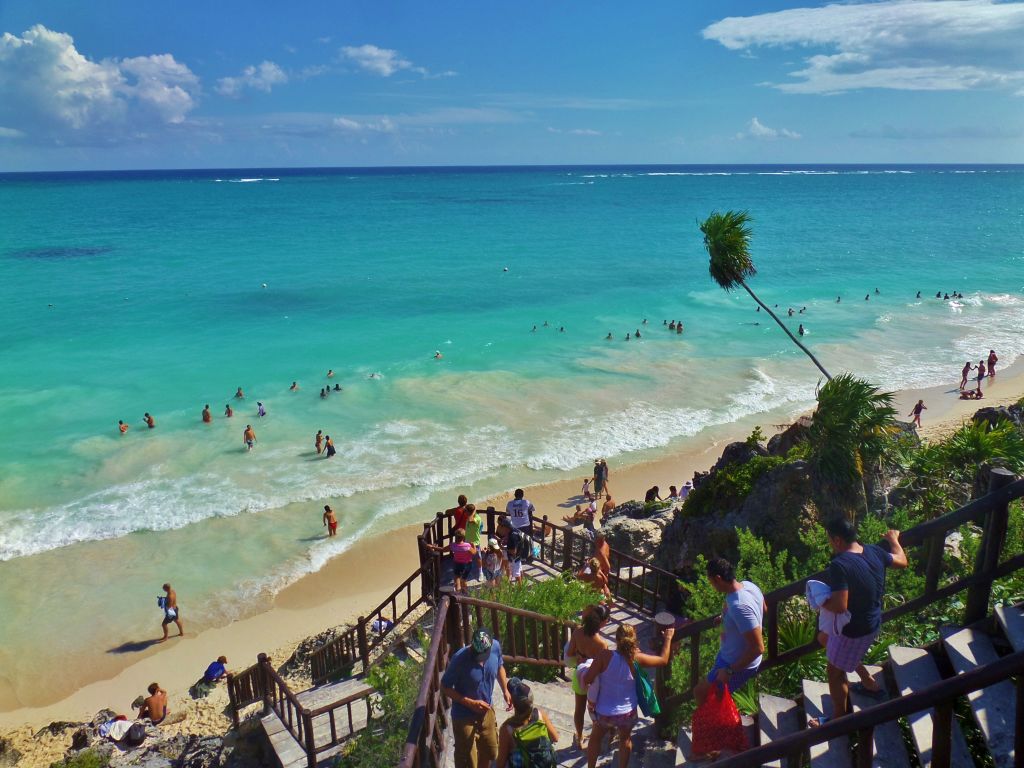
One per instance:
(937, 694)
(244, 688)
(430, 704)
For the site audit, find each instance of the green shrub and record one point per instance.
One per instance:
(728, 487)
(86, 758)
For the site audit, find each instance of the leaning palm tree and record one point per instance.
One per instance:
(727, 240)
(853, 426)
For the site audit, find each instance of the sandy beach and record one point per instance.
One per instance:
(360, 578)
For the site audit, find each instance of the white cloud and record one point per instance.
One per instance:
(576, 131)
(261, 77)
(386, 62)
(10, 133)
(382, 125)
(894, 44)
(50, 92)
(758, 130)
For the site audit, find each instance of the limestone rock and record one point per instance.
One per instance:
(639, 538)
(780, 506)
(299, 660)
(56, 728)
(992, 415)
(738, 453)
(9, 756)
(795, 433)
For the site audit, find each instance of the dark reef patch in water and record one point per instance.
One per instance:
(60, 252)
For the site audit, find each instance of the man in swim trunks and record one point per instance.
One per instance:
(171, 612)
(155, 705)
(330, 521)
(228, 413)
(249, 437)
(122, 426)
(207, 416)
(329, 449)
(149, 420)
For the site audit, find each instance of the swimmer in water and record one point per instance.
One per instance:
(294, 387)
(867, 297)
(318, 441)
(122, 426)
(228, 413)
(329, 449)
(534, 329)
(644, 322)
(800, 330)
(918, 295)
(545, 323)
(239, 394)
(323, 393)
(330, 373)
(672, 325)
(249, 437)
(790, 311)
(637, 334)
(679, 327)
(260, 410)
(438, 355)
(561, 329)
(149, 420)
(877, 291)
(207, 416)
(629, 336)
(609, 336)
(337, 387)
(838, 299)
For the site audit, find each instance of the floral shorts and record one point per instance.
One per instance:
(618, 722)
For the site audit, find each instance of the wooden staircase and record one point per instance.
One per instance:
(994, 709)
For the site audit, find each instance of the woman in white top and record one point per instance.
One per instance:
(616, 703)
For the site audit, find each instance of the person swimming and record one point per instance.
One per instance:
(337, 387)
(149, 420)
(790, 311)
(867, 297)
(679, 326)
(323, 393)
(294, 387)
(838, 299)
(800, 330)
(207, 416)
(609, 336)
(918, 295)
(122, 426)
(330, 373)
(438, 355)
(637, 334)
(239, 394)
(228, 413)
(672, 325)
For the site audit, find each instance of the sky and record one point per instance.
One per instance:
(254, 83)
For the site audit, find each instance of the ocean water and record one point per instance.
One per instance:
(123, 293)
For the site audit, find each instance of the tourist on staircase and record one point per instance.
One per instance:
(468, 682)
(616, 700)
(526, 740)
(584, 644)
(856, 577)
(742, 643)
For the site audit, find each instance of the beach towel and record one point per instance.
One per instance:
(829, 622)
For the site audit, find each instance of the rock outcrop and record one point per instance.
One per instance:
(637, 536)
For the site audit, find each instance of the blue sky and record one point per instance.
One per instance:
(117, 84)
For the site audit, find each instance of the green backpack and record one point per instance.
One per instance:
(533, 745)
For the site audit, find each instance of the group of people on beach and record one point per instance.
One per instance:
(985, 367)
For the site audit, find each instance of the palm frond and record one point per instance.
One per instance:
(727, 241)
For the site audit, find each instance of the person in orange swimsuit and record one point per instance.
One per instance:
(122, 426)
(207, 416)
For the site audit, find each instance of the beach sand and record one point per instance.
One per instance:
(360, 578)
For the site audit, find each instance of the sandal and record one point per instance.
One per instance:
(863, 690)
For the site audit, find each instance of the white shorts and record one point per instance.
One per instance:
(517, 569)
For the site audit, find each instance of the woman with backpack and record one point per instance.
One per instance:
(584, 644)
(617, 700)
(526, 739)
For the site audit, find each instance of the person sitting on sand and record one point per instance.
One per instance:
(971, 394)
(154, 706)
(582, 514)
(217, 670)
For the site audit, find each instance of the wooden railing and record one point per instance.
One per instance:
(990, 511)
(314, 746)
(244, 688)
(426, 742)
(359, 642)
(941, 696)
(631, 581)
(278, 697)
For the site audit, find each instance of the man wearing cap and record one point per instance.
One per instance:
(469, 683)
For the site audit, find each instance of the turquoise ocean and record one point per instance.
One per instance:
(122, 293)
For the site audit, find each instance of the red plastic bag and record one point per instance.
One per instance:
(717, 726)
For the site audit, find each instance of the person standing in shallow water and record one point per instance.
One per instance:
(150, 422)
(329, 449)
(330, 520)
(318, 442)
(249, 437)
(228, 413)
(992, 360)
(172, 613)
(207, 416)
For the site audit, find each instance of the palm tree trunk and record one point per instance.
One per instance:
(788, 332)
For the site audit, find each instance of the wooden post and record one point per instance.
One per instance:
(942, 735)
(865, 748)
(492, 527)
(453, 630)
(309, 742)
(233, 699)
(992, 540)
(568, 544)
(663, 620)
(426, 572)
(264, 663)
(364, 646)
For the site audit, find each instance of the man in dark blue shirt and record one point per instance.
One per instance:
(469, 683)
(856, 577)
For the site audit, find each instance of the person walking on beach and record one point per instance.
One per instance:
(519, 511)
(856, 577)
(742, 643)
(172, 613)
(249, 437)
(207, 416)
(150, 422)
(965, 373)
(916, 413)
(468, 682)
(329, 449)
(330, 520)
(318, 442)
(616, 699)
(992, 360)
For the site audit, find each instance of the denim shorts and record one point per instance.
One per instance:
(490, 575)
(738, 678)
(462, 570)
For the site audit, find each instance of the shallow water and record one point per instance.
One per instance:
(125, 293)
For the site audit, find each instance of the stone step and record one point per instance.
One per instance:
(1011, 621)
(914, 669)
(830, 754)
(994, 707)
(888, 748)
(777, 718)
(684, 743)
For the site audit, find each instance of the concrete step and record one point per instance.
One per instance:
(994, 708)
(1011, 621)
(889, 750)
(830, 754)
(684, 743)
(778, 717)
(913, 670)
